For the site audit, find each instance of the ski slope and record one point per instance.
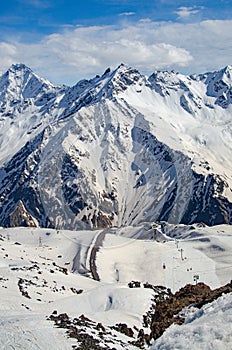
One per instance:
(34, 281)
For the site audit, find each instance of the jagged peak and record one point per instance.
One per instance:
(166, 76)
(109, 84)
(163, 81)
(14, 70)
(124, 76)
(224, 74)
(108, 74)
(22, 72)
(227, 68)
(107, 71)
(18, 71)
(19, 67)
(19, 81)
(219, 84)
(123, 66)
(125, 69)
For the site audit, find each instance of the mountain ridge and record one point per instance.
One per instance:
(118, 149)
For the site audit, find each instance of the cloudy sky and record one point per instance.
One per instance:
(67, 40)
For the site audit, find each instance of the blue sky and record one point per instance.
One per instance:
(66, 40)
(40, 17)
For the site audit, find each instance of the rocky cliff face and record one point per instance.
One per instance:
(116, 150)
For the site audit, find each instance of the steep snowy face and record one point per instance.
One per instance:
(117, 150)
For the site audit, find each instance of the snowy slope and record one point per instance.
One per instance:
(42, 271)
(116, 150)
(46, 270)
(190, 251)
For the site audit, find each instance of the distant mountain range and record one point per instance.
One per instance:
(117, 150)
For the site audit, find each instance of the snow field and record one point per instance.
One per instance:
(34, 260)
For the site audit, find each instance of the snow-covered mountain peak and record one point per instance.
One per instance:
(223, 77)
(99, 88)
(219, 85)
(225, 74)
(164, 82)
(125, 76)
(165, 77)
(19, 67)
(113, 82)
(228, 71)
(19, 83)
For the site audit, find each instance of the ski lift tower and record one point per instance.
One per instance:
(196, 278)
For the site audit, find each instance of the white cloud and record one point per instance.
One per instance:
(82, 52)
(186, 12)
(98, 47)
(145, 20)
(127, 14)
(8, 54)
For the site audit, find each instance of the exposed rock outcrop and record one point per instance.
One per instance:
(168, 311)
(21, 217)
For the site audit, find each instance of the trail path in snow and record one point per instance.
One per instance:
(92, 262)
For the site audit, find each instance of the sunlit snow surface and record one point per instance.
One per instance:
(37, 257)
